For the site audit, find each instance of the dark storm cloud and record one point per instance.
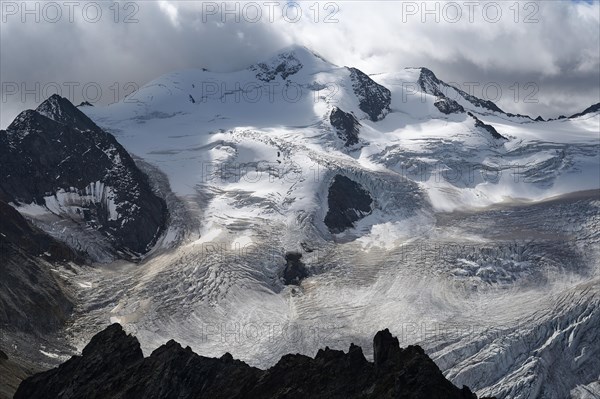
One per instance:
(558, 50)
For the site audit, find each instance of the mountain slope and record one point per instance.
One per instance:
(56, 161)
(36, 296)
(32, 298)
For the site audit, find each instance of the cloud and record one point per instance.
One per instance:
(553, 45)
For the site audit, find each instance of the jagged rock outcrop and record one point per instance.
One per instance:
(33, 299)
(284, 65)
(589, 110)
(294, 270)
(429, 83)
(448, 106)
(57, 157)
(373, 98)
(488, 128)
(386, 348)
(346, 126)
(112, 366)
(348, 202)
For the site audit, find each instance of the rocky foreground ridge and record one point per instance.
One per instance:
(112, 365)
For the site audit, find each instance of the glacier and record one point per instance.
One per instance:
(482, 250)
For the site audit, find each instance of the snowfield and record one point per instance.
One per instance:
(483, 250)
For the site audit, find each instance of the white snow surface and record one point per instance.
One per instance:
(484, 251)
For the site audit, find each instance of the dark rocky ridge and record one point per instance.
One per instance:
(346, 126)
(373, 98)
(430, 83)
(58, 150)
(284, 65)
(488, 128)
(112, 366)
(348, 202)
(589, 110)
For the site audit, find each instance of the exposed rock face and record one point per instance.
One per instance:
(385, 348)
(448, 106)
(348, 202)
(58, 158)
(590, 110)
(112, 366)
(488, 128)
(93, 374)
(374, 99)
(294, 270)
(346, 125)
(60, 110)
(32, 298)
(284, 65)
(431, 84)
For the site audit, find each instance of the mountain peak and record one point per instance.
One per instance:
(30, 120)
(431, 84)
(63, 111)
(302, 52)
(289, 61)
(428, 72)
(115, 342)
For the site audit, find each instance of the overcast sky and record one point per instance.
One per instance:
(548, 50)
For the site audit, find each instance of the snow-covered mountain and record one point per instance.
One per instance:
(406, 203)
(62, 170)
